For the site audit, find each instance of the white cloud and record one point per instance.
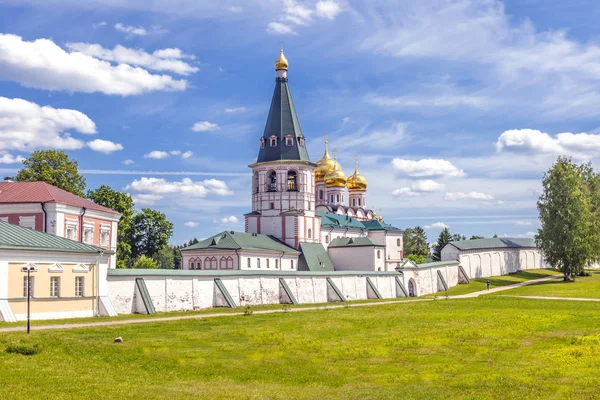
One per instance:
(327, 9)
(437, 225)
(437, 101)
(523, 223)
(27, 126)
(578, 145)
(277, 28)
(205, 126)
(44, 65)
(131, 30)
(235, 109)
(427, 186)
(185, 187)
(187, 155)
(191, 224)
(157, 155)
(169, 59)
(375, 139)
(144, 199)
(229, 220)
(104, 146)
(404, 192)
(10, 159)
(468, 196)
(175, 152)
(127, 162)
(427, 167)
(99, 24)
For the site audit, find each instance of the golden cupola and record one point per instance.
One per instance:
(356, 182)
(336, 177)
(325, 165)
(281, 62)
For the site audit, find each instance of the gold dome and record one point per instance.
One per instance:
(336, 177)
(356, 181)
(324, 165)
(281, 62)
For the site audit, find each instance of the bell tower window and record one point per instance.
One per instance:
(289, 140)
(301, 141)
(262, 143)
(273, 141)
(292, 181)
(272, 184)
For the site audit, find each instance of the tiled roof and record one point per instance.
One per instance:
(38, 192)
(230, 240)
(493, 243)
(332, 220)
(353, 242)
(313, 255)
(18, 238)
(282, 121)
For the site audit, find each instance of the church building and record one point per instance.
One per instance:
(305, 216)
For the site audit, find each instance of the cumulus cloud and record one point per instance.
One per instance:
(418, 187)
(229, 220)
(426, 167)
(578, 145)
(437, 225)
(159, 155)
(404, 192)
(151, 190)
(468, 196)
(127, 162)
(104, 146)
(131, 30)
(301, 14)
(170, 59)
(191, 224)
(44, 65)
(205, 126)
(187, 154)
(27, 126)
(327, 9)
(145, 199)
(6, 158)
(277, 28)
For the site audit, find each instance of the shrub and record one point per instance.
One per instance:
(22, 348)
(144, 262)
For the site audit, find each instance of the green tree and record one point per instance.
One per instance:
(415, 242)
(144, 262)
(569, 214)
(123, 204)
(177, 257)
(443, 239)
(418, 259)
(476, 237)
(164, 258)
(53, 167)
(150, 232)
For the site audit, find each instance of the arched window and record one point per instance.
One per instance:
(412, 288)
(326, 238)
(337, 198)
(291, 181)
(289, 140)
(192, 265)
(249, 263)
(378, 254)
(359, 202)
(262, 143)
(226, 262)
(331, 199)
(398, 242)
(255, 182)
(320, 194)
(223, 263)
(258, 262)
(210, 263)
(272, 182)
(353, 202)
(272, 206)
(309, 233)
(273, 141)
(301, 141)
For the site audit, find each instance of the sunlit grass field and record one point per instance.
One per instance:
(583, 287)
(489, 347)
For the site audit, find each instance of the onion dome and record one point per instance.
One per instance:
(325, 165)
(336, 177)
(356, 182)
(281, 62)
(380, 218)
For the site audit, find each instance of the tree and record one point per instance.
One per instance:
(457, 237)
(164, 258)
(144, 262)
(476, 237)
(415, 242)
(53, 167)
(443, 239)
(150, 232)
(123, 204)
(570, 217)
(418, 259)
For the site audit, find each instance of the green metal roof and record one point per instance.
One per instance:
(376, 225)
(16, 237)
(230, 240)
(332, 220)
(353, 242)
(282, 121)
(224, 273)
(493, 243)
(313, 254)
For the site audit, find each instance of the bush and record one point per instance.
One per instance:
(24, 349)
(144, 262)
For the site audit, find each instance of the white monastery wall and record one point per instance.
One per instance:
(495, 262)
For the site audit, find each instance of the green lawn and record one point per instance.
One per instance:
(490, 347)
(583, 287)
(478, 284)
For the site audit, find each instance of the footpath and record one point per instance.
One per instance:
(299, 309)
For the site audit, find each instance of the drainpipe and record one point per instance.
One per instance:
(43, 204)
(81, 224)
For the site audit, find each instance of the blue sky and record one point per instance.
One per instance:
(455, 108)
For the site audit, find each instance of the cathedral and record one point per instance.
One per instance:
(305, 216)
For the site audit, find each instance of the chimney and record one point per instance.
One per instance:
(8, 179)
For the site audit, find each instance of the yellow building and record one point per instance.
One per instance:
(67, 279)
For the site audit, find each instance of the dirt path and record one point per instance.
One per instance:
(329, 307)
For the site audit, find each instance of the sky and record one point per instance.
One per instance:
(455, 108)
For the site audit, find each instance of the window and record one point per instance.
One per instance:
(320, 194)
(273, 141)
(309, 233)
(249, 263)
(292, 264)
(353, 202)
(255, 182)
(79, 284)
(71, 232)
(268, 263)
(210, 263)
(301, 141)
(88, 233)
(272, 184)
(289, 140)
(398, 242)
(272, 206)
(262, 143)
(378, 254)
(276, 264)
(337, 198)
(258, 262)
(291, 181)
(54, 286)
(192, 266)
(331, 199)
(104, 235)
(27, 222)
(359, 201)
(326, 238)
(28, 286)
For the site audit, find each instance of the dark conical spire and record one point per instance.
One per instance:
(282, 124)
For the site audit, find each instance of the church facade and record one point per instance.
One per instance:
(306, 216)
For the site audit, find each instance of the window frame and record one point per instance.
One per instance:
(79, 286)
(55, 286)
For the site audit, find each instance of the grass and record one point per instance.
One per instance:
(478, 284)
(490, 347)
(583, 287)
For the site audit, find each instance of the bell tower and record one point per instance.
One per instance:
(283, 178)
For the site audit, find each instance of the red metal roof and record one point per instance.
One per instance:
(37, 192)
